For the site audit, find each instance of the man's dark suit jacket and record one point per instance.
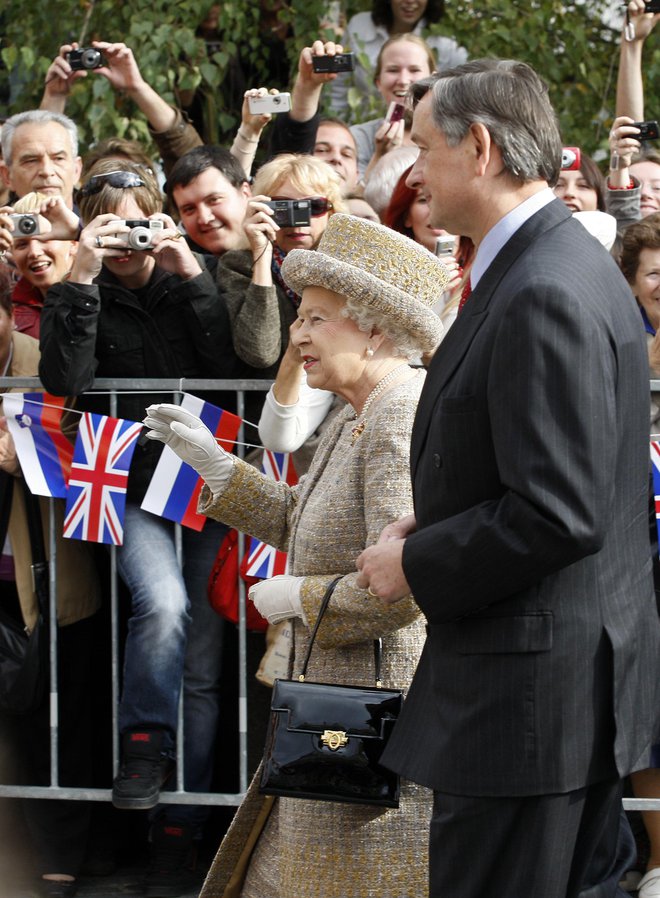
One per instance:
(531, 561)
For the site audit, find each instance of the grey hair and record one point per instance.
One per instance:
(367, 319)
(36, 117)
(511, 101)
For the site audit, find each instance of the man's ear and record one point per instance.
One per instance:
(246, 189)
(483, 147)
(77, 168)
(4, 174)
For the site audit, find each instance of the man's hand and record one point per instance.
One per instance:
(59, 78)
(398, 529)
(381, 571)
(122, 70)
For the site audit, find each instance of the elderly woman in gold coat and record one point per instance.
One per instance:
(366, 297)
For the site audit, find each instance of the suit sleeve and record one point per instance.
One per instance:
(551, 391)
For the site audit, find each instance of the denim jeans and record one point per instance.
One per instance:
(172, 630)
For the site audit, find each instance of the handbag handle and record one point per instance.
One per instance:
(378, 643)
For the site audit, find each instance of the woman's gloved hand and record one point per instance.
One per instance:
(192, 441)
(278, 598)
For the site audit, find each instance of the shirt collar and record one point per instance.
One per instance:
(505, 228)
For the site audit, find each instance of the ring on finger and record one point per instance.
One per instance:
(372, 593)
(99, 242)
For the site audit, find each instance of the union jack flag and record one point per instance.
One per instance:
(265, 561)
(655, 465)
(96, 500)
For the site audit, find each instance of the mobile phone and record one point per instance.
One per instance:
(647, 130)
(570, 158)
(340, 62)
(395, 112)
(444, 246)
(269, 103)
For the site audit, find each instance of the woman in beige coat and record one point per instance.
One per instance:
(366, 297)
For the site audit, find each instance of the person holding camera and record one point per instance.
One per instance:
(633, 185)
(138, 304)
(293, 199)
(366, 33)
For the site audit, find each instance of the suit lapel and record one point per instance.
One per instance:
(461, 334)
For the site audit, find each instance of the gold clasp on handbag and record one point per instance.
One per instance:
(334, 739)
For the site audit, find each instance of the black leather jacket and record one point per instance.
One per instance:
(171, 328)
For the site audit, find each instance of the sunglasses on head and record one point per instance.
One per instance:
(114, 179)
(318, 205)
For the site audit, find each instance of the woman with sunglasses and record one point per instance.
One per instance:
(261, 306)
(148, 313)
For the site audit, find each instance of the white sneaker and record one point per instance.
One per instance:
(649, 885)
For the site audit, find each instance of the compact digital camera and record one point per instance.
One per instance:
(142, 232)
(647, 131)
(570, 158)
(652, 6)
(269, 103)
(290, 213)
(26, 224)
(85, 58)
(340, 62)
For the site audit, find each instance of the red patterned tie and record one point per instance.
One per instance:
(465, 295)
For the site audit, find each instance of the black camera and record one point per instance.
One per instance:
(647, 131)
(290, 213)
(652, 6)
(26, 224)
(340, 62)
(85, 58)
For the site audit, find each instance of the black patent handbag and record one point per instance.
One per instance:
(325, 741)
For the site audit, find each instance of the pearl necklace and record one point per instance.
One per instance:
(358, 430)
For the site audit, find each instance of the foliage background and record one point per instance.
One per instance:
(566, 42)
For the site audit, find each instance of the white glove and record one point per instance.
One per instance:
(192, 441)
(278, 598)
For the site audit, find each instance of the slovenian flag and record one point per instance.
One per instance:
(175, 486)
(655, 464)
(44, 453)
(264, 561)
(96, 500)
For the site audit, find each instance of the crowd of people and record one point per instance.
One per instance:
(451, 270)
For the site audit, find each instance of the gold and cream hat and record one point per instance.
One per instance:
(378, 267)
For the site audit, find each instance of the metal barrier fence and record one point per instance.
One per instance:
(168, 387)
(171, 386)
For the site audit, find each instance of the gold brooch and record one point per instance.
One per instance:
(357, 432)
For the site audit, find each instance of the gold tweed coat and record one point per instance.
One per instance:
(352, 490)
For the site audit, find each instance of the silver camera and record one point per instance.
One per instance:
(26, 224)
(269, 103)
(142, 231)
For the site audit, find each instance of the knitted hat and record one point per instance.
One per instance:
(377, 267)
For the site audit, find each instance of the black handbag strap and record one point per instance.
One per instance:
(378, 643)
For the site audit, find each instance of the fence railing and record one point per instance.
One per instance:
(169, 387)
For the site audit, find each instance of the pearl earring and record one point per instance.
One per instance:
(370, 352)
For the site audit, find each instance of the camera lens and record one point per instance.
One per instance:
(139, 238)
(27, 225)
(90, 59)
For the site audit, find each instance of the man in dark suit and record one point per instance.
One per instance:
(529, 549)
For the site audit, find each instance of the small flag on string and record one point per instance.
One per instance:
(44, 453)
(96, 500)
(655, 465)
(265, 561)
(174, 488)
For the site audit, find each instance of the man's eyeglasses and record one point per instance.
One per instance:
(114, 179)
(318, 205)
